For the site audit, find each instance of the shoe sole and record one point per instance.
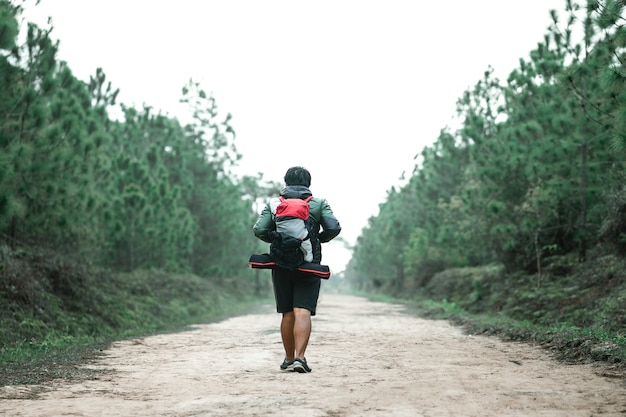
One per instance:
(301, 368)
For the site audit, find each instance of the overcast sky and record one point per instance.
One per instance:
(350, 89)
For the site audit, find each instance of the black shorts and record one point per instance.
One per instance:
(295, 289)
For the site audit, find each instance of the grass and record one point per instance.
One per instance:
(567, 342)
(62, 356)
(58, 316)
(578, 313)
(36, 365)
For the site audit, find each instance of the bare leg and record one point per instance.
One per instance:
(287, 334)
(301, 331)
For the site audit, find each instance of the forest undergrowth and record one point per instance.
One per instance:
(577, 311)
(59, 314)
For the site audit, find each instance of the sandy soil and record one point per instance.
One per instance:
(368, 359)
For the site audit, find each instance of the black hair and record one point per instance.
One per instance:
(298, 176)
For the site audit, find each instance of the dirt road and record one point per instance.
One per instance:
(368, 359)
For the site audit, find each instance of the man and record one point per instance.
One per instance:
(296, 292)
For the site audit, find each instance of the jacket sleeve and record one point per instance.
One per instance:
(264, 225)
(330, 224)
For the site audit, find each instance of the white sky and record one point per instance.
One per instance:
(350, 89)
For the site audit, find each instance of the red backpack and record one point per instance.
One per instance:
(293, 207)
(291, 245)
